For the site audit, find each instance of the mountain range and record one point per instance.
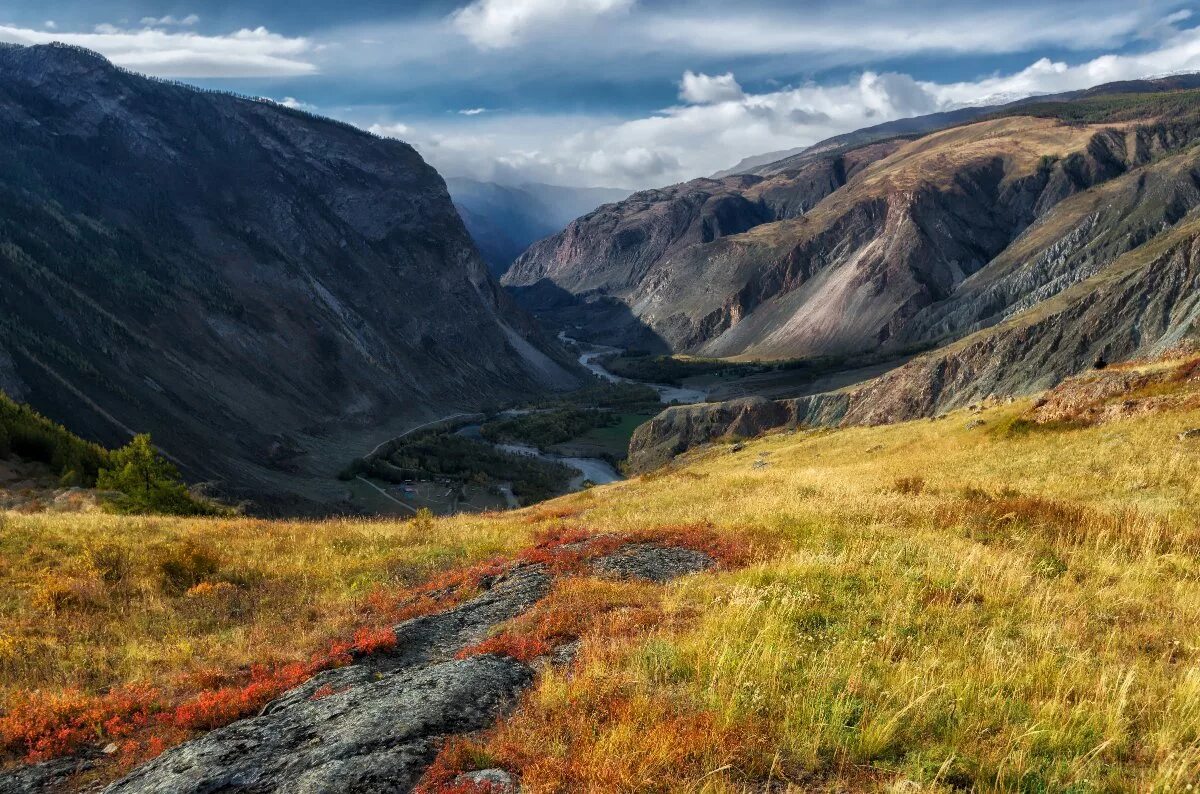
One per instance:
(1017, 247)
(504, 220)
(267, 292)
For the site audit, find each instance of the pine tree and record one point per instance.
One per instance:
(147, 482)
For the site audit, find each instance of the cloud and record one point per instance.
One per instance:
(247, 52)
(170, 21)
(701, 89)
(394, 130)
(295, 104)
(50, 24)
(472, 111)
(887, 29)
(723, 123)
(497, 24)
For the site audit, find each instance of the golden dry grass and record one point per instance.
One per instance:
(996, 607)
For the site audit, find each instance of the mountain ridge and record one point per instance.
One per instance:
(325, 286)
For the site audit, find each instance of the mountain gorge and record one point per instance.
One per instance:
(263, 290)
(1017, 249)
(504, 220)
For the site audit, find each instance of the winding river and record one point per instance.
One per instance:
(590, 358)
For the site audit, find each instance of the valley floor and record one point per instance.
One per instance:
(1006, 598)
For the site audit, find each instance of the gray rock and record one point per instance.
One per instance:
(48, 776)
(1190, 434)
(498, 781)
(384, 721)
(377, 737)
(652, 562)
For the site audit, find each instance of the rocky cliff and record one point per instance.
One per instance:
(848, 246)
(263, 290)
(1023, 253)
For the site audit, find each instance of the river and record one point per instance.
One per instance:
(590, 358)
(596, 470)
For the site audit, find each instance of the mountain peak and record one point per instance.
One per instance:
(53, 58)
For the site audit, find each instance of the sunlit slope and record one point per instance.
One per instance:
(1005, 598)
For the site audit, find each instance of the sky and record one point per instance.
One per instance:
(622, 93)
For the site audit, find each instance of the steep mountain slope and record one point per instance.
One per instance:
(504, 220)
(259, 288)
(1109, 274)
(611, 252)
(838, 249)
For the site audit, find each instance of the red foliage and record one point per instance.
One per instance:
(39, 726)
(451, 763)
(144, 721)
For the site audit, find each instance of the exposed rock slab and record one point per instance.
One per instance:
(652, 562)
(375, 726)
(377, 737)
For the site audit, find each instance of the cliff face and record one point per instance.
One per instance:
(859, 246)
(1136, 302)
(253, 285)
(1012, 279)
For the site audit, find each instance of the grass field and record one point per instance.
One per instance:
(974, 602)
(611, 441)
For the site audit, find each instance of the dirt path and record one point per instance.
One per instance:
(376, 725)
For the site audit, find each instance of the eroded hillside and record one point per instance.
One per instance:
(267, 292)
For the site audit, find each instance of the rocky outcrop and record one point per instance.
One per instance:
(1143, 303)
(895, 245)
(376, 725)
(376, 736)
(685, 427)
(235, 277)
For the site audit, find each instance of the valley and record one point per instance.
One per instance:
(869, 465)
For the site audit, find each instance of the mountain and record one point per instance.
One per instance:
(504, 220)
(832, 251)
(1015, 250)
(267, 292)
(854, 248)
(747, 164)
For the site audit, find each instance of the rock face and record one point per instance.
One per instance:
(1139, 303)
(614, 252)
(651, 562)
(376, 737)
(681, 428)
(251, 284)
(857, 248)
(382, 721)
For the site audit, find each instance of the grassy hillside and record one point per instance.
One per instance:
(1006, 599)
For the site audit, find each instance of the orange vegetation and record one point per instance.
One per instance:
(143, 720)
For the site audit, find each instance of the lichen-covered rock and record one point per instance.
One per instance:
(375, 737)
(652, 562)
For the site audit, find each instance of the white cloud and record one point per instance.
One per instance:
(496, 24)
(721, 127)
(395, 130)
(701, 89)
(295, 104)
(888, 29)
(50, 24)
(472, 111)
(247, 52)
(170, 21)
